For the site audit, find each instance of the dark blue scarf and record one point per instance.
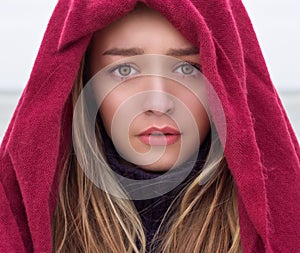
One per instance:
(152, 210)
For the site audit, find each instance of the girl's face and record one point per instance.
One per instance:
(155, 127)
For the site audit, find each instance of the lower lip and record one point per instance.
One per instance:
(159, 140)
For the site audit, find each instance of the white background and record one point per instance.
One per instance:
(22, 24)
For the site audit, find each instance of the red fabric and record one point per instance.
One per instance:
(261, 148)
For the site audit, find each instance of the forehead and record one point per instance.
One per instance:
(143, 28)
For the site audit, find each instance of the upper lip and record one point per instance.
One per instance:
(164, 130)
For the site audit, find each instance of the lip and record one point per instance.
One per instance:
(159, 136)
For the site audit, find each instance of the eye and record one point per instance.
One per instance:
(188, 69)
(124, 70)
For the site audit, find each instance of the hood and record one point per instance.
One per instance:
(261, 148)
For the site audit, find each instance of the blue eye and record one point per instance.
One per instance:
(124, 70)
(188, 69)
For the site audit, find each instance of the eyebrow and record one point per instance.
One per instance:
(183, 51)
(124, 52)
(139, 51)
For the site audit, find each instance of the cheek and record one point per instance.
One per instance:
(106, 113)
(200, 116)
(203, 123)
(110, 105)
(108, 109)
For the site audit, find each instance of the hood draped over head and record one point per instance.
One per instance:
(261, 148)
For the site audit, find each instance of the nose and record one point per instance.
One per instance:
(157, 100)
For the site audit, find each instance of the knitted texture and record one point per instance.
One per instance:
(261, 148)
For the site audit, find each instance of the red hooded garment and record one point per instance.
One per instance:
(261, 148)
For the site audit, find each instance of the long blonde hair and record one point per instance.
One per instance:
(87, 219)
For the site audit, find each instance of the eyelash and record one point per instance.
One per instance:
(123, 65)
(195, 65)
(117, 68)
(187, 63)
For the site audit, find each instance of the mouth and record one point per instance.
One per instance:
(156, 136)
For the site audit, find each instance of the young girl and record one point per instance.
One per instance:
(150, 127)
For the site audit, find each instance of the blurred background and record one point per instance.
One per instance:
(22, 24)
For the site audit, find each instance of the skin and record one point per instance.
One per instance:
(131, 36)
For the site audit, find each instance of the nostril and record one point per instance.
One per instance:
(155, 112)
